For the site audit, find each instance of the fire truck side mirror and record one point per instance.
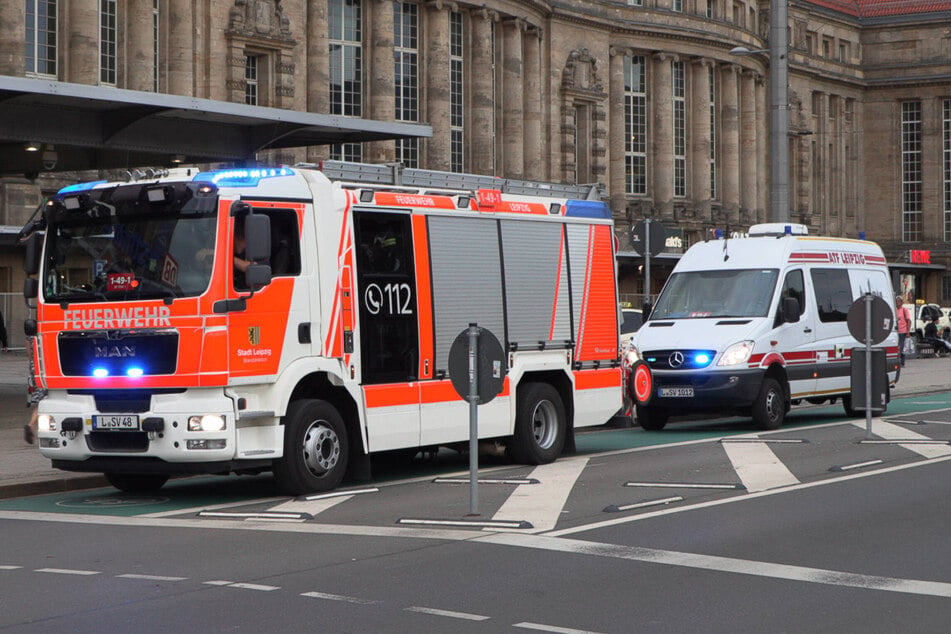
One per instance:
(257, 233)
(31, 288)
(258, 275)
(31, 258)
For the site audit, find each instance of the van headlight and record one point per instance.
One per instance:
(737, 353)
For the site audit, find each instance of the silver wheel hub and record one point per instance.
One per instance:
(544, 424)
(321, 448)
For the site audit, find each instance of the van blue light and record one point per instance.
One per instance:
(587, 209)
(243, 177)
(702, 359)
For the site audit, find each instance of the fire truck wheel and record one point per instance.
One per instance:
(137, 482)
(539, 425)
(316, 448)
(769, 408)
(651, 418)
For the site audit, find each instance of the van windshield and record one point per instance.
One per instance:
(731, 293)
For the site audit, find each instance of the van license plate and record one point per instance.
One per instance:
(676, 392)
(116, 422)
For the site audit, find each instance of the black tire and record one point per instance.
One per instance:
(651, 418)
(540, 425)
(816, 400)
(137, 482)
(769, 409)
(316, 448)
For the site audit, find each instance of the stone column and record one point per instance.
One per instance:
(318, 68)
(437, 88)
(382, 84)
(139, 59)
(730, 143)
(12, 30)
(662, 148)
(532, 105)
(513, 91)
(617, 176)
(700, 136)
(480, 126)
(181, 47)
(748, 157)
(762, 153)
(82, 42)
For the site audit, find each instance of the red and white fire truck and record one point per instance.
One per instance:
(300, 319)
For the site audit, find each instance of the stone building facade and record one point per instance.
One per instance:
(643, 96)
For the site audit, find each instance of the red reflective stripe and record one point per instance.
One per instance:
(597, 379)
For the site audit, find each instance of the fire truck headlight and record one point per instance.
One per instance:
(737, 353)
(45, 422)
(208, 422)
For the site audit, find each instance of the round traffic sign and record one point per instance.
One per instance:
(640, 241)
(883, 319)
(491, 366)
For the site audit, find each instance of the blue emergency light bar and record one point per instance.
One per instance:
(587, 209)
(79, 187)
(243, 177)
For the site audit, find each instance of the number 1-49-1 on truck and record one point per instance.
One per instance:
(297, 320)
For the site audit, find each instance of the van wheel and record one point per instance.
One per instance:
(540, 425)
(137, 482)
(651, 418)
(769, 409)
(316, 448)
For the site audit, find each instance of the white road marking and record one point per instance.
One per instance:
(254, 586)
(641, 505)
(541, 504)
(454, 615)
(5, 567)
(338, 597)
(725, 564)
(525, 625)
(311, 507)
(857, 465)
(891, 431)
(758, 467)
(217, 583)
(682, 485)
(151, 577)
(67, 571)
(214, 507)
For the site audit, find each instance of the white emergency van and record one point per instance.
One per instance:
(755, 324)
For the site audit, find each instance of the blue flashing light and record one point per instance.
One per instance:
(787, 230)
(79, 187)
(243, 177)
(587, 209)
(861, 235)
(134, 372)
(702, 359)
(100, 373)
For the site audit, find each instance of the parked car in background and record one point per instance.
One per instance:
(631, 320)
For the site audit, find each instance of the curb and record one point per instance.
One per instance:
(55, 485)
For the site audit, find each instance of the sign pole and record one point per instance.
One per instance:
(868, 366)
(473, 419)
(647, 261)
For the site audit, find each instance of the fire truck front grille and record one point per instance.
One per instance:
(117, 441)
(118, 353)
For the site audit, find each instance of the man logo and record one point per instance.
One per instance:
(254, 335)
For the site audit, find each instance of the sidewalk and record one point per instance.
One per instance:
(23, 471)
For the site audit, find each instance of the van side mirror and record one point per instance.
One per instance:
(790, 310)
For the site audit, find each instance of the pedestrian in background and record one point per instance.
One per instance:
(904, 325)
(3, 334)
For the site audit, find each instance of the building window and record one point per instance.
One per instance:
(945, 288)
(251, 80)
(680, 130)
(406, 76)
(155, 45)
(345, 32)
(635, 3)
(713, 132)
(456, 94)
(946, 167)
(911, 211)
(678, 6)
(107, 42)
(711, 8)
(635, 125)
(41, 37)
(844, 52)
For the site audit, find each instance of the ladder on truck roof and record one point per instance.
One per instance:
(395, 175)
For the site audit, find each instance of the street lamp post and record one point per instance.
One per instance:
(778, 108)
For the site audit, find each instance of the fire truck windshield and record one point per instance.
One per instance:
(128, 256)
